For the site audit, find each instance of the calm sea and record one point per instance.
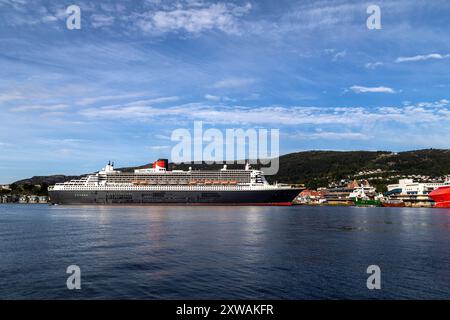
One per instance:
(223, 252)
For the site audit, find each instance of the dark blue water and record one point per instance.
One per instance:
(223, 252)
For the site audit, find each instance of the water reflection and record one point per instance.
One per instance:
(224, 252)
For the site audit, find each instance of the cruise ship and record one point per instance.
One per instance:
(159, 185)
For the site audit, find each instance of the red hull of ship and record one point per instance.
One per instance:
(441, 197)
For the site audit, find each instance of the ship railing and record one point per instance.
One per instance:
(130, 187)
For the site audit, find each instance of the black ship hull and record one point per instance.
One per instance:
(248, 197)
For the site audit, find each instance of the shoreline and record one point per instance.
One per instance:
(217, 205)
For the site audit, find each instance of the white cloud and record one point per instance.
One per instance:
(87, 101)
(16, 4)
(141, 109)
(373, 65)
(212, 97)
(5, 97)
(49, 18)
(215, 98)
(169, 16)
(330, 135)
(339, 55)
(137, 113)
(154, 101)
(111, 7)
(159, 147)
(361, 89)
(431, 56)
(162, 136)
(432, 112)
(55, 107)
(193, 19)
(233, 83)
(100, 20)
(59, 142)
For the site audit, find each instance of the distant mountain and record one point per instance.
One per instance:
(37, 180)
(318, 168)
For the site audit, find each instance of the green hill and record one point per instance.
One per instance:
(318, 168)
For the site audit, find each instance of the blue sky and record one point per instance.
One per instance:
(136, 70)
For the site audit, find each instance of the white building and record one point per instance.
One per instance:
(409, 187)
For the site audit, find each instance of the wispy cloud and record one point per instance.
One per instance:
(212, 97)
(193, 18)
(339, 55)
(373, 65)
(61, 142)
(101, 20)
(361, 89)
(432, 56)
(55, 107)
(92, 100)
(330, 135)
(279, 115)
(140, 109)
(158, 147)
(5, 97)
(137, 113)
(216, 98)
(233, 83)
(49, 18)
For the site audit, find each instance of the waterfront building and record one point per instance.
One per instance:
(341, 195)
(311, 197)
(33, 199)
(409, 187)
(414, 194)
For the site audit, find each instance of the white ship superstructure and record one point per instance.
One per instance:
(158, 178)
(177, 185)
